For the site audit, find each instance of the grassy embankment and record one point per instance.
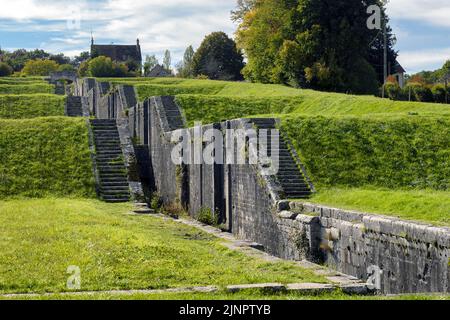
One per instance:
(45, 156)
(25, 106)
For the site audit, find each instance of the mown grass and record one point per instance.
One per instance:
(45, 156)
(26, 88)
(31, 106)
(21, 80)
(41, 238)
(407, 152)
(298, 100)
(427, 206)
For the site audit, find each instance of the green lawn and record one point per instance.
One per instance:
(40, 239)
(209, 96)
(428, 206)
(31, 106)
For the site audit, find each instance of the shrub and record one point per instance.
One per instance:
(40, 67)
(83, 69)
(5, 70)
(66, 67)
(102, 67)
(393, 91)
(439, 93)
(419, 92)
(207, 216)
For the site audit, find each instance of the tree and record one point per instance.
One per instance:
(167, 62)
(40, 67)
(218, 58)
(150, 63)
(5, 69)
(60, 58)
(83, 69)
(104, 67)
(242, 8)
(84, 56)
(185, 67)
(66, 67)
(323, 44)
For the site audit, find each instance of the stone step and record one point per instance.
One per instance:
(102, 136)
(114, 180)
(122, 188)
(121, 183)
(115, 200)
(107, 148)
(292, 180)
(103, 121)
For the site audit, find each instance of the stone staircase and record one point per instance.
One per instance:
(290, 176)
(112, 173)
(74, 107)
(173, 113)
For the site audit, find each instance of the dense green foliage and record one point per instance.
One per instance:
(26, 88)
(116, 250)
(40, 67)
(45, 156)
(319, 44)
(185, 67)
(31, 106)
(5, 69)
(419, 205)
(18, 58)
(218, 58)
(104, 67)
(397, 152)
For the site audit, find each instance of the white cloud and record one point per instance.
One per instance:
(159, 24)
(435, 12)
(428, 59)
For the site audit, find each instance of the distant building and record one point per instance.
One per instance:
(399, 74)
(159, 72)
(129, 54)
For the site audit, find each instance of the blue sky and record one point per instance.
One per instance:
(422, 26)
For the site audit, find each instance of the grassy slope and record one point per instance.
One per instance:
(114, 250)
(420, 205)
(45, 156)
(31, 106)
(26, 88)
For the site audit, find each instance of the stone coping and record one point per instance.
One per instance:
(309, 213)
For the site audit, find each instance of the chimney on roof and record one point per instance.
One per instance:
(137, 42)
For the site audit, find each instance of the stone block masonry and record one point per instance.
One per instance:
(394, 256)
